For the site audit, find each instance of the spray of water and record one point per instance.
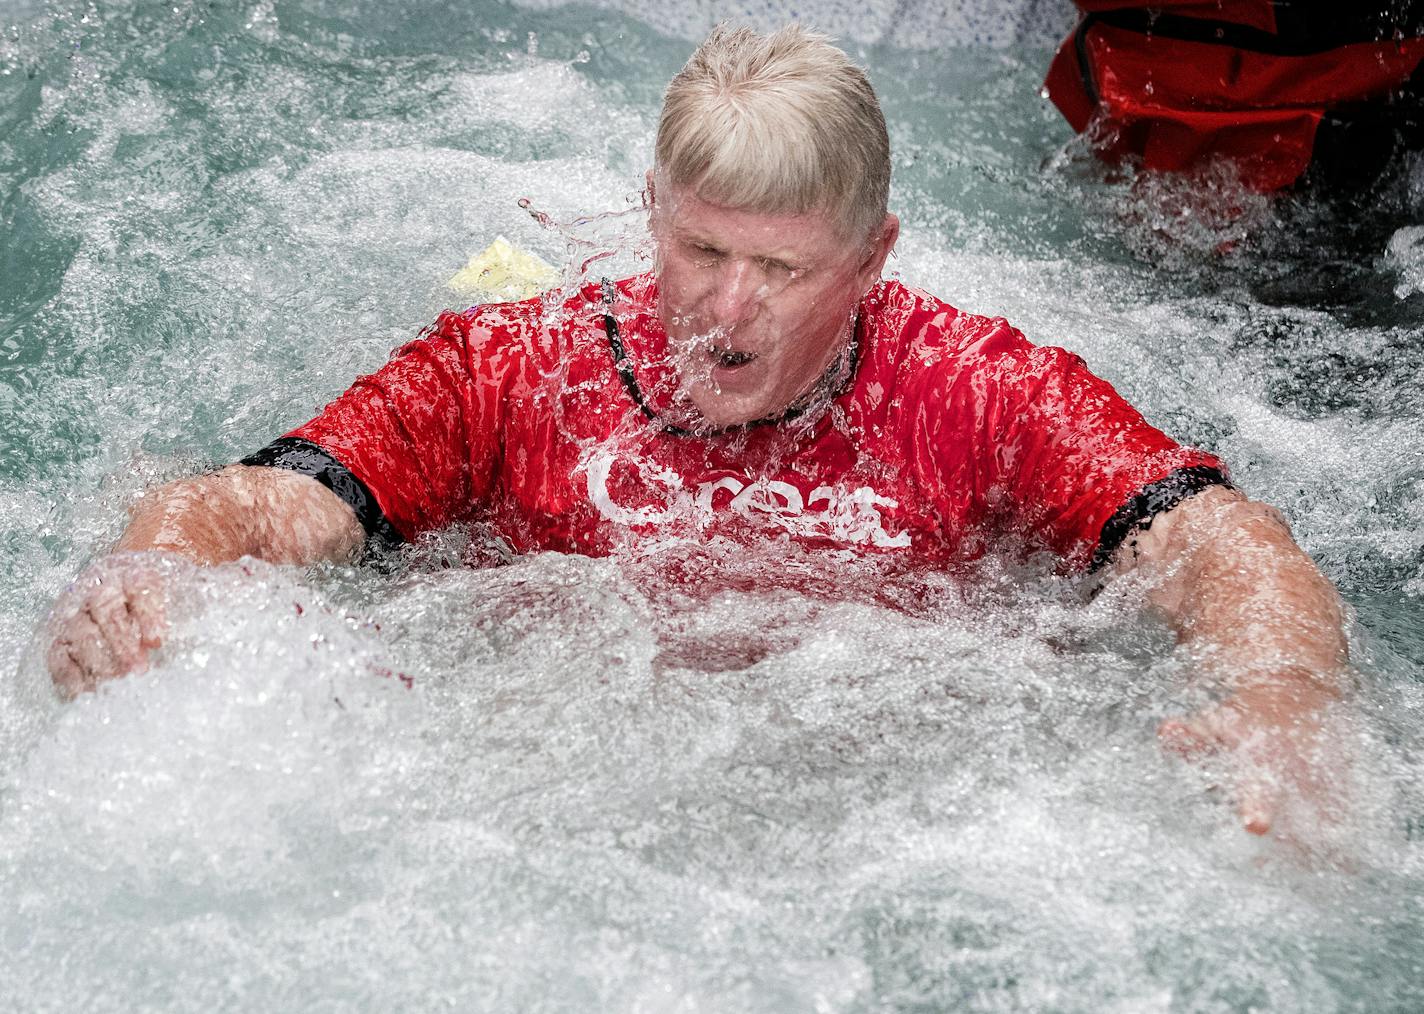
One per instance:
(700, 773)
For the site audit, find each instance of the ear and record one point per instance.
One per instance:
(650, 192)
(882, 241)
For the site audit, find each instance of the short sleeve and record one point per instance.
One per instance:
(420, 436)
(1077, 466)
(1047, 452)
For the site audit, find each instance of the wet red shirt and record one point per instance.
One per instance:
(948, 432)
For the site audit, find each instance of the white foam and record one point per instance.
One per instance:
(1405, 255)
(916, 24)
(633, 783)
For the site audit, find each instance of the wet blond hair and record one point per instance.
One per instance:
(780, 123)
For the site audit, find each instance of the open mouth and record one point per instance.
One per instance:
(728, 358)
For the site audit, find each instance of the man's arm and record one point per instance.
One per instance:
(407, 448)
(274, 514)
(109, 620)
(1266, 625)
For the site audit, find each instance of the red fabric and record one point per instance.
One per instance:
(1177, 104)
(954, 432)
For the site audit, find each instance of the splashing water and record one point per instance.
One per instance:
(695, 775)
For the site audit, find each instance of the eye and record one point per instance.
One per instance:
(779, 269)
(705, 255)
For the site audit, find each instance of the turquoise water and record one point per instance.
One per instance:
(605, 790)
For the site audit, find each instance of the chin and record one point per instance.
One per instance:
(720, 411)
(717, 417)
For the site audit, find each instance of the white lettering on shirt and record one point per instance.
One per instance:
(847, 516)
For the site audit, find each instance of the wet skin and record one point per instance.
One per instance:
(757, 306)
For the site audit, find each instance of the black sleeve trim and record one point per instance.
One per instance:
(1153, 499)
(311, 459)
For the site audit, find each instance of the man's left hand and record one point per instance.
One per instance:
(1276, 739)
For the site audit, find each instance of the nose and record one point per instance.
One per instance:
(739, 292)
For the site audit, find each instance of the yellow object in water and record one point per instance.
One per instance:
(502, 273)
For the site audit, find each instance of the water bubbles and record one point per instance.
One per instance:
(703, 773)
(909, 24)
(539, 216)
(262, 21)
(1405, 256)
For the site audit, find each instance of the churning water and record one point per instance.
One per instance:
(704, 778)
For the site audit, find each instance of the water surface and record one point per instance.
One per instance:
(576, 784)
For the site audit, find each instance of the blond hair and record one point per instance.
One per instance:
(780, 123)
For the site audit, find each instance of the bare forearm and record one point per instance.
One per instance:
(1267, 627)
(1252, 604)
(241, 511)
(114, 614)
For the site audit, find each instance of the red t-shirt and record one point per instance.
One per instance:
(950, 432)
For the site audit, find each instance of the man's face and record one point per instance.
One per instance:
(756, 306)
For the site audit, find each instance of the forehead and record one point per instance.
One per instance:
(762, 233)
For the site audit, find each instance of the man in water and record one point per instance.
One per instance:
(765, 382)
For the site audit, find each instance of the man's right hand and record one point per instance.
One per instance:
(109, 620)
(112, 617)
